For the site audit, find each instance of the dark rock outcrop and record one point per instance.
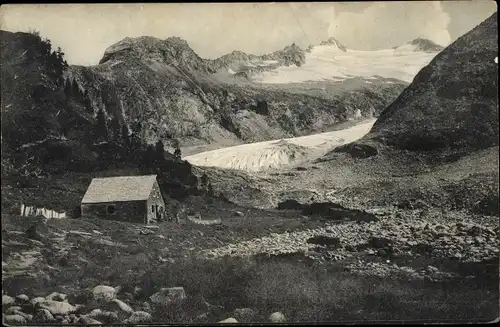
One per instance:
(452, 103)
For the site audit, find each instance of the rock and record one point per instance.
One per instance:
(277, 317)
(239, 213)
(55, 296)
(104, 316)
(202, 318)
(22, 298)
(104, 293)
(324, 240)
(86, 320)
(94, 313)
(119, 306)
(57, 307)
(36, 300)
(109, 317)
(138, 317)
(145, 306)
(7, 300)
(26, 316)
(244, 315)
(13, 310)
(358, 150)
(72, 317)
(14, 319)
(44, 316)
(168, 296)
(228, 321)
(379, 242)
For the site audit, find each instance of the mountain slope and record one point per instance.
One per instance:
(49, 132)
(184, 100)
(452, 102)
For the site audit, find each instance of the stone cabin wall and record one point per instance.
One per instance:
(155, 205)
(130, 211)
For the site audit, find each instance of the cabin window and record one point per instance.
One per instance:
(110, 209)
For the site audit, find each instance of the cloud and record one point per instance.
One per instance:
(392, 22)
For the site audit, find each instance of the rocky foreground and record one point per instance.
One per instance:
(103, 307)
(419, 233)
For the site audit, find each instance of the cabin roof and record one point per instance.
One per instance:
(119, 189)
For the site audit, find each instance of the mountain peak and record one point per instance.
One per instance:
(170, 51)
(422, 44)
(335, 42)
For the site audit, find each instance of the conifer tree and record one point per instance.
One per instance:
(102, 130)
(177, 153)
(160, 151)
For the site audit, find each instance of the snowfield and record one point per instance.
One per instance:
(328, 62)
(278, 153)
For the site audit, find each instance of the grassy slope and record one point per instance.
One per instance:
(121, 256)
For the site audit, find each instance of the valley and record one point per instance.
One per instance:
(343, 185)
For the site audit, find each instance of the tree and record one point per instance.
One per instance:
(88, 104)
(75, 89)
(177, 153)
(67, 88)
(116, 129)
(135, 138)
(160, 151)
(210, 189)
(125, 136)
(102, 130)
(204, 181)
(149, 156)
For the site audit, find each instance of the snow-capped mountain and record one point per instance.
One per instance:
(332, 61)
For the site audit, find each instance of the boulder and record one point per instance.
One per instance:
(57, 307)
(14, 319)
(104, 293)
(7, 300)
(43, 316)
(244, 315)
(13, 310)
(55, 296)
(168, 296)
(228, 321)
(358, 150)
(72, 317)
(104, 316)
(94, 313)
(145, 306)
(27, 316)
(379, 242)
(239, 213)
(36, 300)
(22, 298)
(86, 320)
(109, 317)
(118, 306)
(138, 317)
(277, 317)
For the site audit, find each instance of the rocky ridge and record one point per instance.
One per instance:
(452, 103)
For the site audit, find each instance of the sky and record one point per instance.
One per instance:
(84, 31)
